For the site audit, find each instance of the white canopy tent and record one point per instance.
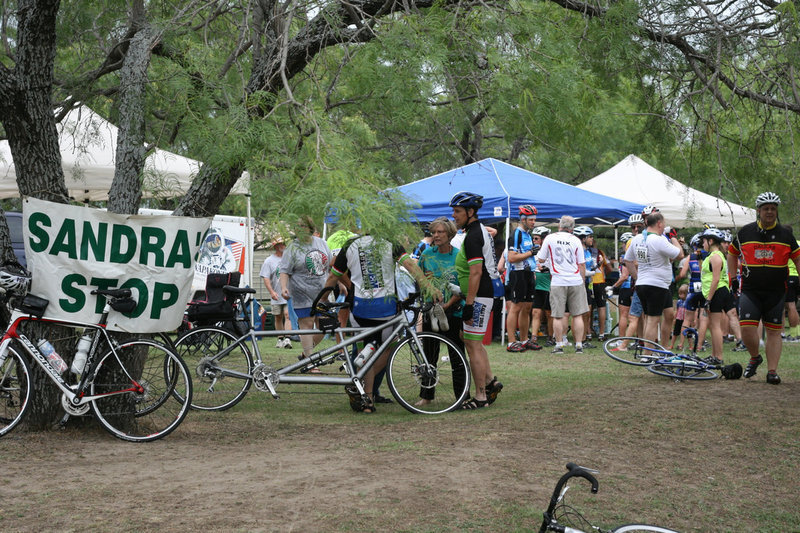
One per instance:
(88, 145)
(635, 181)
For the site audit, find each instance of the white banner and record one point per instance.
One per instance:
(73, 250)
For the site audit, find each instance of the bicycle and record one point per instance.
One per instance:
(665, 362)
(138, 389)
(225, 364)
(558, 511)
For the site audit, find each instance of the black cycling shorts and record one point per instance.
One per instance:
(541, 300)
(599, 297)
(625, 295)
(755, 306)
(522, 286)
(791, 289)
(653, 299)
(721, 302)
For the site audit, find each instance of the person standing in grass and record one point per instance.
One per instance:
(438, 263)
(562, 253)
(764, 248)
(714, 280)
(480, 284)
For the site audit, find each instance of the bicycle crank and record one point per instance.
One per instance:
(73, 410)
(265, 379)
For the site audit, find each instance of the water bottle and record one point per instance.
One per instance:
(364, 354)
(81, 353)
(52, 355)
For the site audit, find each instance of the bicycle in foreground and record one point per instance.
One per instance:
(138, 389)
(558, 513)
(225, 364)
(665, 362)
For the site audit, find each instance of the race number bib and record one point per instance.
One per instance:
(641, 253)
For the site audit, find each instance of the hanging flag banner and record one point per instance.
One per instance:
(73, 250)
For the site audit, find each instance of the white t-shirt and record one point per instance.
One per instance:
(271, 270)
(563, 253)
(653, 255)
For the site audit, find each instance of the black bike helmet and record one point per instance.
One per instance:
(467, 200)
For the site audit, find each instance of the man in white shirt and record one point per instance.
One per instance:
(649, 257)
(562, 252)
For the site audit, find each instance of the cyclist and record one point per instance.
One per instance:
(563, 253)
(367, 266)
(541, 296)
(653, 252)
(714, 283)
(598, 296)
(521, 265)
(695, 302)
(584, 233)
(480, 284)
(764, 248)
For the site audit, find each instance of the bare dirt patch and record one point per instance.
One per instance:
(716, 456)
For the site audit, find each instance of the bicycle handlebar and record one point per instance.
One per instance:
(691, 333)
(573, 470)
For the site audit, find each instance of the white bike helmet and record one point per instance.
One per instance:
(542, 231)
(583, 231)
(649, 210)
(625, 237)
(767, 198)
(14, 280)
(635, 218)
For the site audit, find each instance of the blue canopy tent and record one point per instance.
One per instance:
(505, 187)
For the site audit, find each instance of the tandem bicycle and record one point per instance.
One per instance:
(225, 363)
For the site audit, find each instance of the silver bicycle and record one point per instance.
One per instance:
(225, 362)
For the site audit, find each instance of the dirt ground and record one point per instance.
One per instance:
(716, 456)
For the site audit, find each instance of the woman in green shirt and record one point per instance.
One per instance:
(438, 262)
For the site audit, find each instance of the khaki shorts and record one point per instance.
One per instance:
(278, 309)
(572, 295)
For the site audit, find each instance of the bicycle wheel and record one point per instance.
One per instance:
(440, 374)
(679, 370)
(215, 389)
(637, 528)
(151, 405)
(15, 390)
(639, 352)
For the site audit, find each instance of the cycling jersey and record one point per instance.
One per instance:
(708, 275)
(599, 260)
(521, 242)
(478, 248)
(695, 260)
(764, 254)
(370, 266)
(563, 254)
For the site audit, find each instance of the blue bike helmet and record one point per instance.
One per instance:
(467, 200)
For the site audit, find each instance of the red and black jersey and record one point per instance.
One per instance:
(764, 255)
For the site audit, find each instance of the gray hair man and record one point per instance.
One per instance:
(562, 252)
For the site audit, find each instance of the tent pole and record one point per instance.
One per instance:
(250, 251)
(503, 315)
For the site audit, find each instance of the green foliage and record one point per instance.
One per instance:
(525, 81)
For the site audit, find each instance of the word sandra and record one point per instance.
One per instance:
(162, 297)
(109, 243)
